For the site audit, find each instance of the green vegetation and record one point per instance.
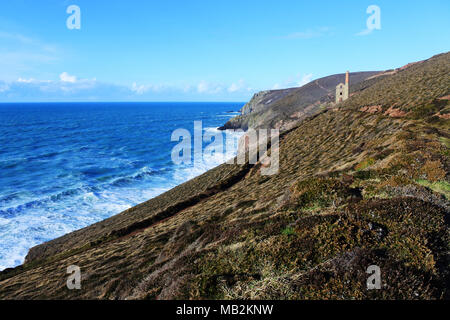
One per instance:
(288, 231)
(442, 187)
(364, 164)
(445, 141)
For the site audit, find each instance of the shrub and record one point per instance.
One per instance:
(288, 231)
(365, 164)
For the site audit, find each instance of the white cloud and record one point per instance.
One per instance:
(208, 88)
(26, 80)
(4, 87)
(65, 77)
(66, 84)
(187, 88)
(305, 79)
(68, 87)
(141, 89)
(30, 89)
(239, 86)
(234, 87)
(31, 80)
(70, 83)
(138, 89)
(296, 81)
(202, 87)
(276, 86)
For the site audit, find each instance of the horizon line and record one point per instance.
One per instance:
(30, 102)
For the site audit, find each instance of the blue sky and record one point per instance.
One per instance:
(195, 50)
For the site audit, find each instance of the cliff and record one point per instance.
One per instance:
(364, 183)
(285, 108)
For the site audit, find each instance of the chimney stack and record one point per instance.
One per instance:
(346, 77)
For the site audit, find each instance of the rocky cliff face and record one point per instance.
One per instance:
(263, 99)
(358, 185)
(284, 108)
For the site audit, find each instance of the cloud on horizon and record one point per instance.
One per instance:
(238, 86)
(69, 87)
(65, 77)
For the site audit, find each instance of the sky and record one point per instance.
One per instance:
(203, 50)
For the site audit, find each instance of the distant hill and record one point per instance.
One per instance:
(284, 108)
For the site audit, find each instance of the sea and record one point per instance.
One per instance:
(64, 166)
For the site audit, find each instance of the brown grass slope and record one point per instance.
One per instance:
(354, 189)
(415, 90)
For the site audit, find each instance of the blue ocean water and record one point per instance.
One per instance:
(64, 166)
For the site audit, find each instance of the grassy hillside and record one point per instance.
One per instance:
(357, 186)
(414, 90)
